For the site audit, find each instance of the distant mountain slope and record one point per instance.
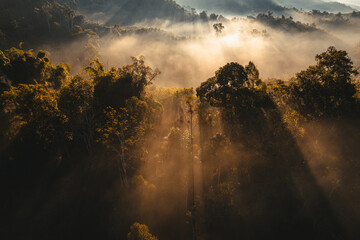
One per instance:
(126, 12)
(258, 6)
(316, 4)
(134, 11)
(53, 22)
(35, 21)
(286, 24)
(234, 6)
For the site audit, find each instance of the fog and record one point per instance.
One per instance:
(191, 59)
(88, 152)
(188, 52)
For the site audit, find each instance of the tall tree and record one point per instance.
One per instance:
(119, 133)
(325, 89)
(76, 102)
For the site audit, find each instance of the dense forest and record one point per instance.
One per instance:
(90, 150)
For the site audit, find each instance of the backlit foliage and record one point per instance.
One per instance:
(140, 231)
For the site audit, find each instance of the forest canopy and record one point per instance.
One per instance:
(54, 124)
(90, 149)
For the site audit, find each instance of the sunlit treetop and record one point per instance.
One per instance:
(113, 87)
(326, 88)
(24, 67)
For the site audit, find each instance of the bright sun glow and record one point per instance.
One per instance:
(230, 39)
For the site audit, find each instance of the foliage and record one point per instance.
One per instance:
(113, 87)
(257, 152)
(129, 13)
(76, 96)
(286, 24)
(75, 100)
(23, 67)
(30, 19)
(217, 150)
(324, 89)
(69, 142)
(232, 83)
(119, 133)
(218, 27)
(34, 108)
(120, 130)
(238, 92)
(140, 231)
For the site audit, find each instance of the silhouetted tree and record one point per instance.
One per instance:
(218, 27)
(326, 88)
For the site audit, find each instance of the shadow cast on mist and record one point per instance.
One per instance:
(277, 195)
(331, 149)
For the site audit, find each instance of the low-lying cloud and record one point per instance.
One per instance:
(190, 60)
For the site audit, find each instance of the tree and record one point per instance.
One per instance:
(218, 27)
(34, 108)
(203, 16)
(23, 67)
(114, 87)
(76, 102)
(217, 155)
(140, 231)
(325, 89)
(242, 103)
(233, 86)
(253, 74)
(119, 133)
(213, 17)
(76, 96)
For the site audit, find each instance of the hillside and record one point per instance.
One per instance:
(131, 12)
(259, 6)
